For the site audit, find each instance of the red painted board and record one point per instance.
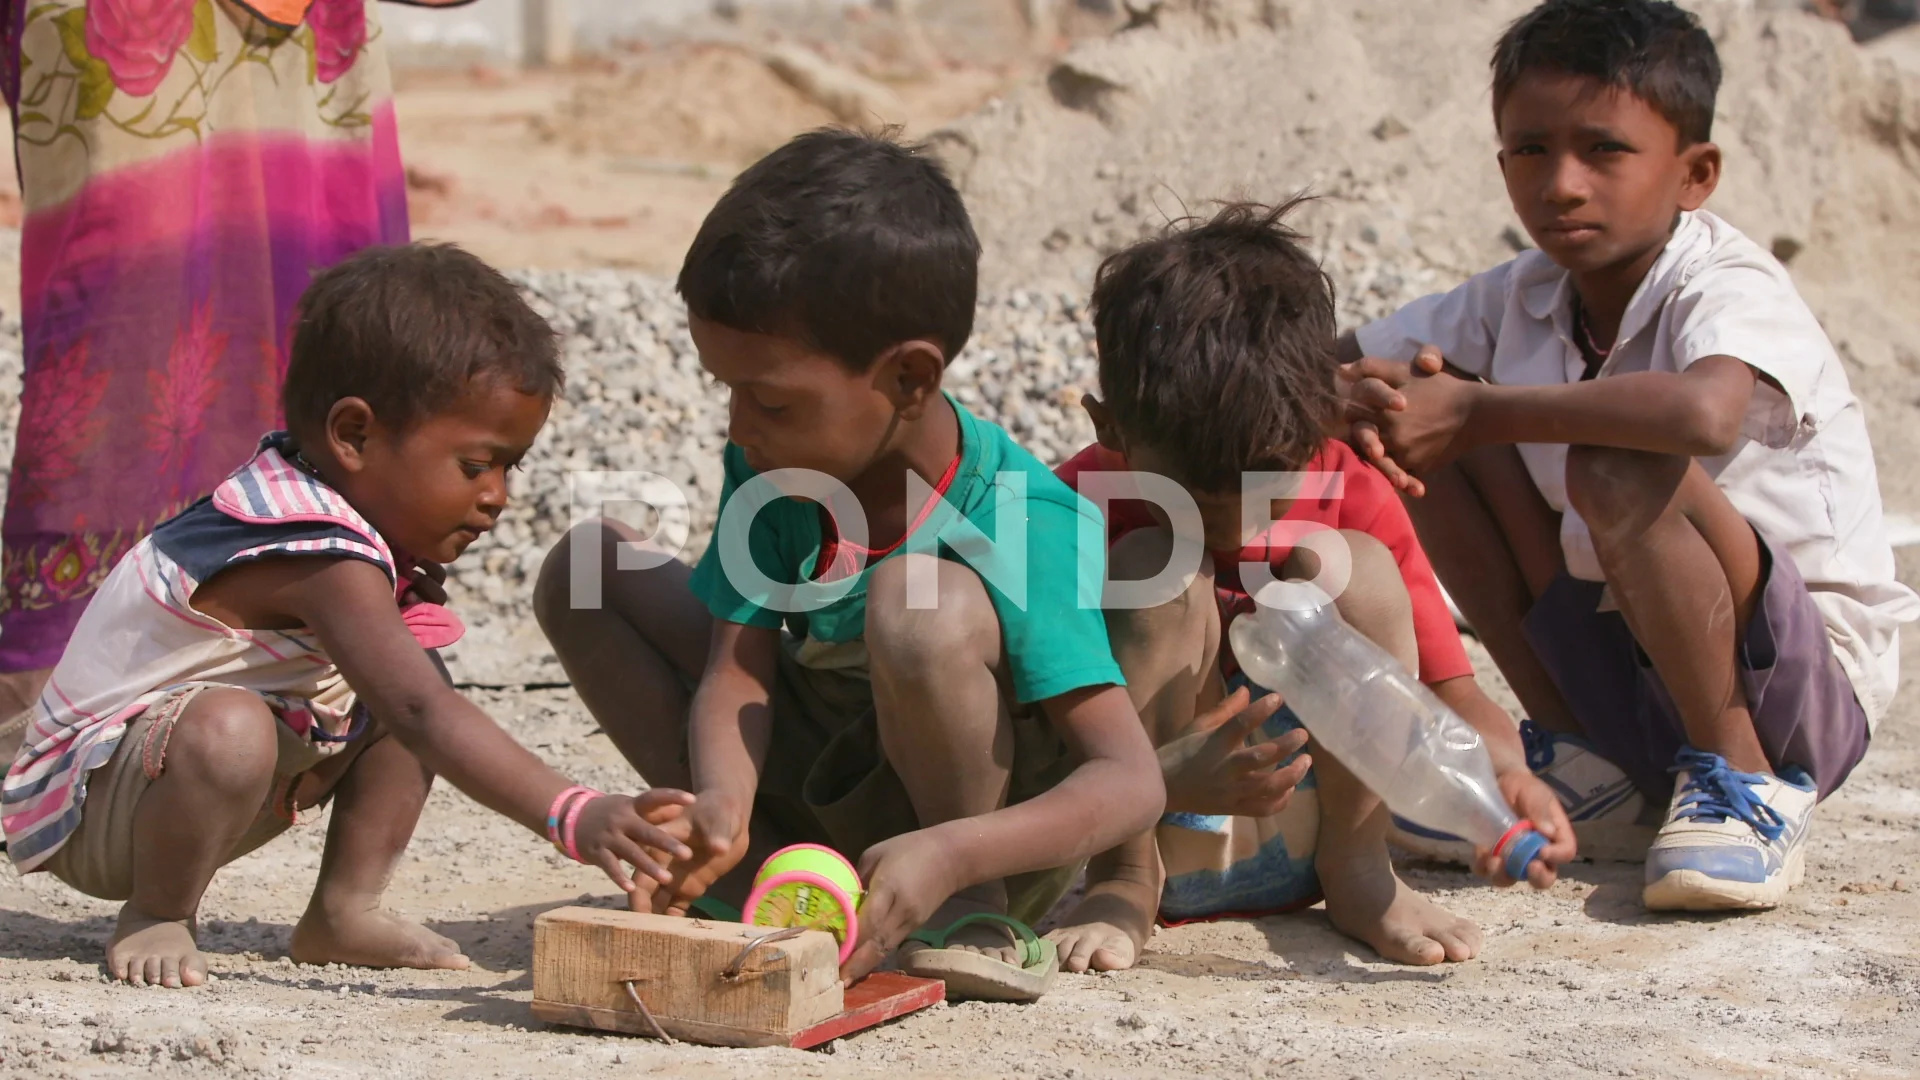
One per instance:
(871, 1002)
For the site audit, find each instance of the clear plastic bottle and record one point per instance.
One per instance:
(1426, 763)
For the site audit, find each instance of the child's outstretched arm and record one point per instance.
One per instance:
(1526, 793)
(730, 726)
(348, 604)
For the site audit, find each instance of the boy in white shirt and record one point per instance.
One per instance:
(1642, 473)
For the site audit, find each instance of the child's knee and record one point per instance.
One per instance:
(1143, 554)
(924, 611)
(1375, 600)
(553, 589)
(225, 739)
(1187, 624)
(1610, 486)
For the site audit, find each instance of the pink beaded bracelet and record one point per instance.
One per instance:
(573, 819)
(557, 811)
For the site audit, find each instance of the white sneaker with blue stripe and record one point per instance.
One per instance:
(1732, 841)
(1602, 803)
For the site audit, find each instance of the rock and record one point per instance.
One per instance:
(1390, 128)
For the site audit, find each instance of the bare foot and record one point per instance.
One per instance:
(371, 938)
(155, 952)
(1368, 901)
(1107, 931)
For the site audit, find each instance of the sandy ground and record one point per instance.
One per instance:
(1575, 982)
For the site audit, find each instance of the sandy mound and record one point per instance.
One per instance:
(1387, 118)
(713, 104)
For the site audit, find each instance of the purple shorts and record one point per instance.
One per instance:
(1803, 704)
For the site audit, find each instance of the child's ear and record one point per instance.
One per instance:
(1104, 428)
(910, 374)
(349, 423)
(1702, 161)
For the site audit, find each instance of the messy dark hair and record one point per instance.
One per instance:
(848, 242)
(409, 330)
(1649, 48)
(1216, 345)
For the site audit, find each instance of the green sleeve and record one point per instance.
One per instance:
(710, 582)
(1057, 644)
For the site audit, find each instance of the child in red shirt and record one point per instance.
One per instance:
(1216, 348)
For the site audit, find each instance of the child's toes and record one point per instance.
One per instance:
(1409, 945)
(1115, 956)
(1461, 940)
(1076, 950)
(154, 952)
(1088, 949)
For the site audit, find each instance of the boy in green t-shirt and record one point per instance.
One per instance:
(886, 647)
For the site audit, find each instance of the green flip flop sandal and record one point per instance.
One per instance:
(718, 910)
(972, 976)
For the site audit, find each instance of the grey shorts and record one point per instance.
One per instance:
(1803, 703)
(98, 858)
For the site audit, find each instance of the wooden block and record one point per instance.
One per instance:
(583, 959)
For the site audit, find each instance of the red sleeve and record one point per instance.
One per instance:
(1370, 505)
(1123, 515)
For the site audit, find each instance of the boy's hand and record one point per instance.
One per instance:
(634, 830)
(1212, 770)
(908, 878)
(1534, 800)
(717, 835)
(1371, 390)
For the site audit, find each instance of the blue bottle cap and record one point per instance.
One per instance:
(1520, 853)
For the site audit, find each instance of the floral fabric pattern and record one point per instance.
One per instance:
(184, 389)
(117, 61)
(186, 166)
(339, 33)
(59, 422)
(137, 39)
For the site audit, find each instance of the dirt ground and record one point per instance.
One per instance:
(1578, 981)
(544, 170)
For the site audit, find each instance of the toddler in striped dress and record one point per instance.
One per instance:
(272, 647)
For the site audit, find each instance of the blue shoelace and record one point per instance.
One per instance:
(1715, 791)
(1538, 742)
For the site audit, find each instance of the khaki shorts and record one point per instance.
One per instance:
(97, 858)
(827, 781)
